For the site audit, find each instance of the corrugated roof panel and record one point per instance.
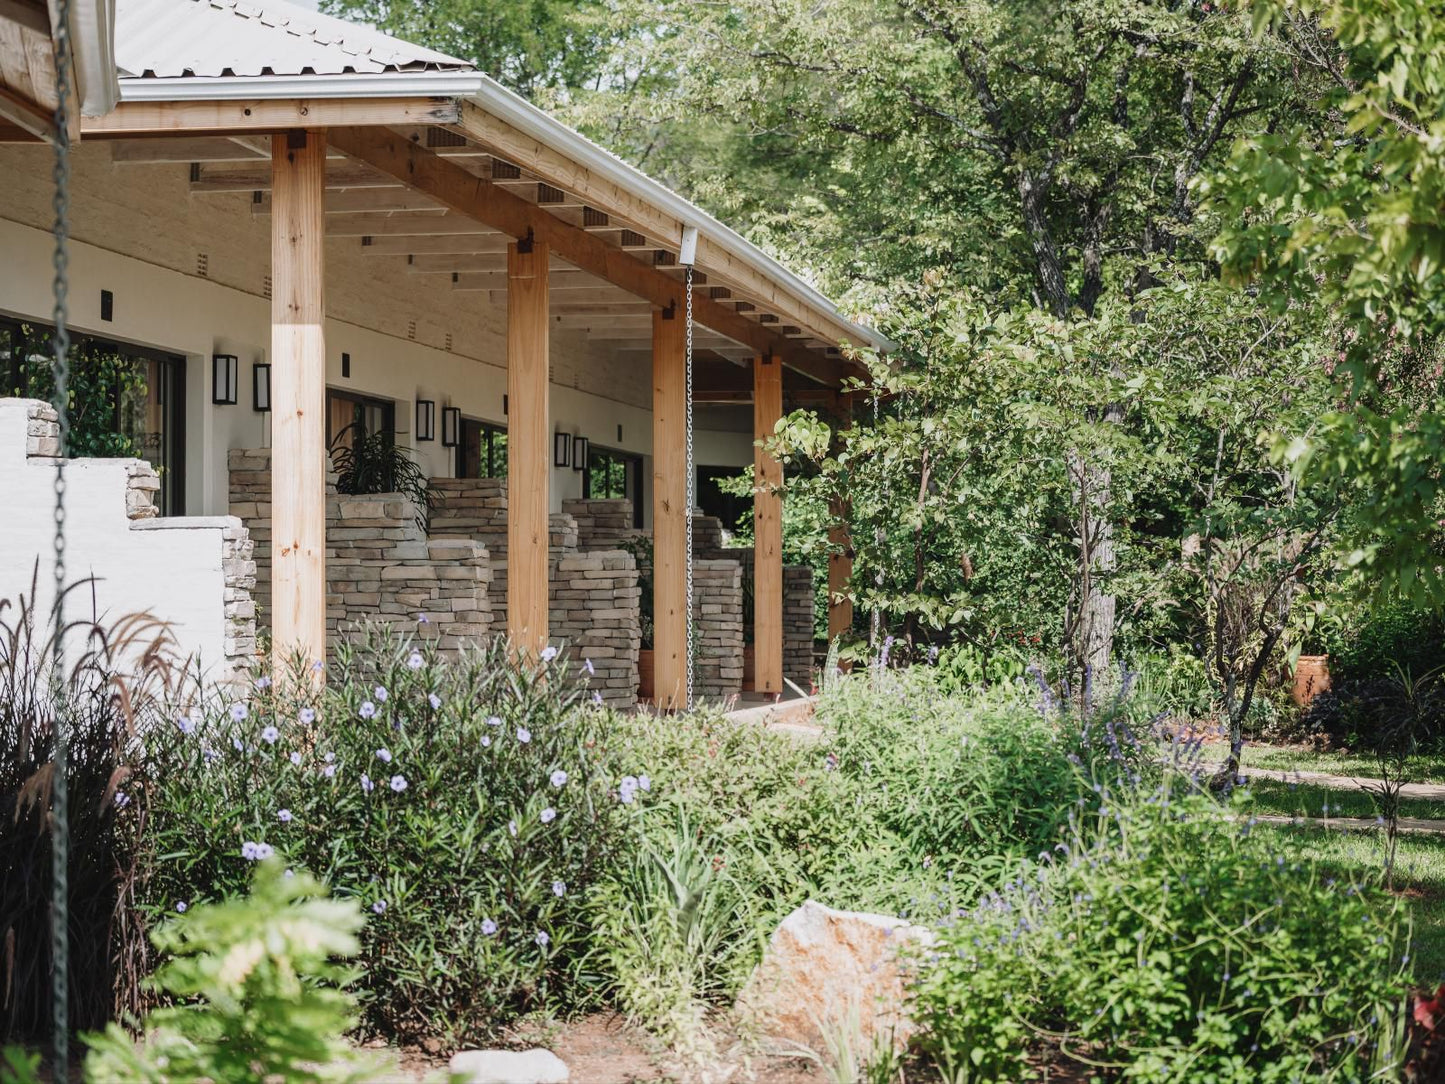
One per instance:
(166, 39)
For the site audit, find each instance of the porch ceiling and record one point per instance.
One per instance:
(415, 232)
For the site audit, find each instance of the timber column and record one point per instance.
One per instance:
(767, 529)
(298, 396)
(840, 541)
(669, 508)
(529, 452)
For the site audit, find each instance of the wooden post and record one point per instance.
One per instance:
(840, 546)
(529, 445)
(669, 508)
(298, 397)
(767, 529)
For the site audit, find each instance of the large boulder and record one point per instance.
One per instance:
(834, 976)
(509, 1067)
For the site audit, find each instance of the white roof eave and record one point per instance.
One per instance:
(426, 84)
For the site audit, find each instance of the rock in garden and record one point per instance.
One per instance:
(831, 975)
(509, 1067)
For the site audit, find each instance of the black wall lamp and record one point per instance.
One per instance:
(225, 379)
(579, 453)
(261, 387)
(561, 449)
(426, 419)
(451, 426)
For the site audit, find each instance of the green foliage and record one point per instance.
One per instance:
(1164, 940)
(103, 385)
(466, 803)
(374, 463)
(1373, 642)
(259, 992)
(19, 1066)
(967, 666)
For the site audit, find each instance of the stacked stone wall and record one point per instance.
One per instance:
(718, 612)
(594, 603)
(602, 524)
(380, 564)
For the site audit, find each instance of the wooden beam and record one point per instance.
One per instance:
(13, 133)
(463, 262)
(486, 202)
(195, 149)
(669, 510)
(154, 118)
(413, 234)
(361, 201)
(210, 181)
(529, 447)
(840, 545)
(767, 530)
(491, 280)
(298, 391)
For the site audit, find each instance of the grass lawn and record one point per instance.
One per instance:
(1309, 800)
(1426, 768)
(1419, 878)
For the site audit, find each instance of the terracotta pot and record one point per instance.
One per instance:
(750, 671)
(644, 674)
(1311, 677)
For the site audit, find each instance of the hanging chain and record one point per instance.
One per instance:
(59, 779)
(691, 492)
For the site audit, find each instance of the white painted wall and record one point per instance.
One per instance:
(139, 232)
(169, 568)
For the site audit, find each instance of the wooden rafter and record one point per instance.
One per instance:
(479, 198)
(159, 118)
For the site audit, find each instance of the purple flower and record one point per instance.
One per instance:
(549, 815)
(317, 666)
(542, 938)
(329, 771)
(512, 827)
(368, 709)
(296, 759)
(434, 700)
(494, 721)
(488, 927)
(597, 697)
(380, 693)
(263, 851)
(549, 653)
(523, 735)
(644, 783)
(269, 735)
(306, 716)
(181, 907)
(248, 851)
(367, 786)
(627, 789)
(329, 758)
(379, 907)
(559, 888)
(486, 740)
(284, 816)
(384, 755)
(263, 683)
(186, 723)
(559, 778)
(415, 661)
(398, 783)
(122, 799)
(238, 712)
(422, 619)
(236, 744)
(587, 665)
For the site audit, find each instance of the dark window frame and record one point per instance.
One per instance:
(632, 476)
(487, 464)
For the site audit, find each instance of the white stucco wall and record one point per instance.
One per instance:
(168, 568)
(140, 233)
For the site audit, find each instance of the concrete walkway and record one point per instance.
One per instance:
(1412, 825)
(1427, 792)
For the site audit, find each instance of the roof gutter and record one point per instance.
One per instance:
(527, 118)
(190, 88)
(92, 44)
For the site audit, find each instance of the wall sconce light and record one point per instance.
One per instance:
(579, 453)
(451, 426)
(426, 419)
(261, 387)
(225, 379)
(561, 447)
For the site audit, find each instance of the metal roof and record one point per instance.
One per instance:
(167, 39)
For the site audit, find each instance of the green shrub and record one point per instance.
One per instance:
(464, 803)
(1165, 942)
(260, 996)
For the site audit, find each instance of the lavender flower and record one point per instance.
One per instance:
(263, 683)
(329, 771)
(263, 851)
(488, 927)
(284, 816)
(367, 786)
(181, 907)
(542, 939)
(368, 709)
(627, 789)
(587, 665)
(398, 783)
(238, 712)
(549, 815)
(306, 716)
(434, 700)
(597, 696)
(523, 735)
(122, 799)
(512, 827)
(486, 740)
(269, 735)
(317, 666)
(559, 888)
(248, 851)
(559, 778)
(296, 759)
(644, 783)
(415, 661)
(422, 619)
(384, 755)
(186, 723)
(379, 907)
(493, 720)
(549, 653)
(380, 693)
(329, 758)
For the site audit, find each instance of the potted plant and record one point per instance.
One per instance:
(368, 463)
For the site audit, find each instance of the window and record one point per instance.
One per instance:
(614, 475)
(127, 401)
(482, 452)
(346, 409)
(714, 502)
